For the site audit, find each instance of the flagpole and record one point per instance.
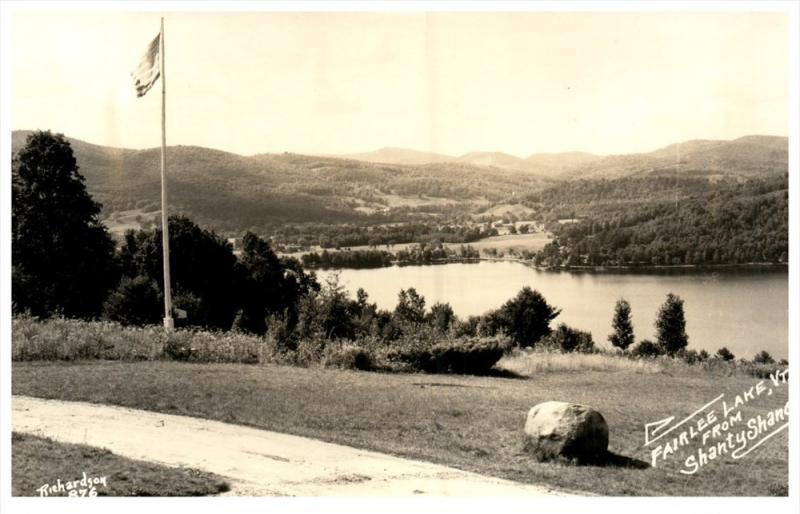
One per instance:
(168, 321)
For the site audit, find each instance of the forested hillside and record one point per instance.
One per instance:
(697, 202)
(659, 221)
(231, 192)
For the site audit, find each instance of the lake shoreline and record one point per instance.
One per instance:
(628, 269)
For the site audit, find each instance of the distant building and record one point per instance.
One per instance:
(568, 221)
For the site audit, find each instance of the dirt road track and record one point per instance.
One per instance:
(255, 462)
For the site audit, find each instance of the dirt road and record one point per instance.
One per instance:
(255, 462)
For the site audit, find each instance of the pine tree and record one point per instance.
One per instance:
(623, 336)
(671, 325)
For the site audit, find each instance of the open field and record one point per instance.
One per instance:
(471, 423)
(532, 242)
(39, 461)
(505, 209)
(518, 242)
(122, 221)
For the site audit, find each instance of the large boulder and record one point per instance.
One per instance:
(566, 431)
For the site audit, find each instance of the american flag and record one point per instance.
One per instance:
(149, 68)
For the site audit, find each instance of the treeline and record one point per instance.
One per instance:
(356, 259)
(65, 264)
(348, 235)
(362, 259)
(730, 223)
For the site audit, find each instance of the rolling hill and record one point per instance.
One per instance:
(231, 192)
(747, 156)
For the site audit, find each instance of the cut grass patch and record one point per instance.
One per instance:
(38, 461)
(471, 423)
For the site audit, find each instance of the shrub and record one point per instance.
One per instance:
(441, 316)
(281, 334)
(568, 340)
(468, 327)
(410, 307)
(763, 357)
(688, 356)
(647, 348)
(347, 355)
(462, 355)
(136, 301)
(526, 317)
(309, 351)
(178, 346)
(725, 354)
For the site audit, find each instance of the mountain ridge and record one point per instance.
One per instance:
(231, 192)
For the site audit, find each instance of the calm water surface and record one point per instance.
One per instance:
(745, 311)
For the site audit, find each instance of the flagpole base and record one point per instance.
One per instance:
(169, 324)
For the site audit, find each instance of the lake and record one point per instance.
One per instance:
(745, 311)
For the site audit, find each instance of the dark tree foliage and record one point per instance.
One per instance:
(725, 354)
(671, 325)
(136, 301)
(622, 337)
(441, 316)
(525, 318)
(410, 307)
(568, 340)
(763, 357)
(657, 220)
(202, 265)
(647, 348)
(271, 286)
(62, 256)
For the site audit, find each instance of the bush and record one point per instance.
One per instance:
(725, 354)
(526, 317)
(647, 348)
(441, 316)
(568, 340)
(136, 301)
(468, 327)
(763, 357)
(178, 346)
(347, 355)
(474, 355)
(689, 356)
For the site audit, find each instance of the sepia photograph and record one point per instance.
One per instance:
(531, 251)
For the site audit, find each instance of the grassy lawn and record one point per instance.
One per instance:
(38, 461)
(472, 423)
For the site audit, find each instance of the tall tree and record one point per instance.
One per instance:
(526, 317)
(63, 258)
(410, 306)
(271, 286)
(205, 277)
(622, 337)
(671, 325)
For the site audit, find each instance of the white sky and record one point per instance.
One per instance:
(446, 82)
